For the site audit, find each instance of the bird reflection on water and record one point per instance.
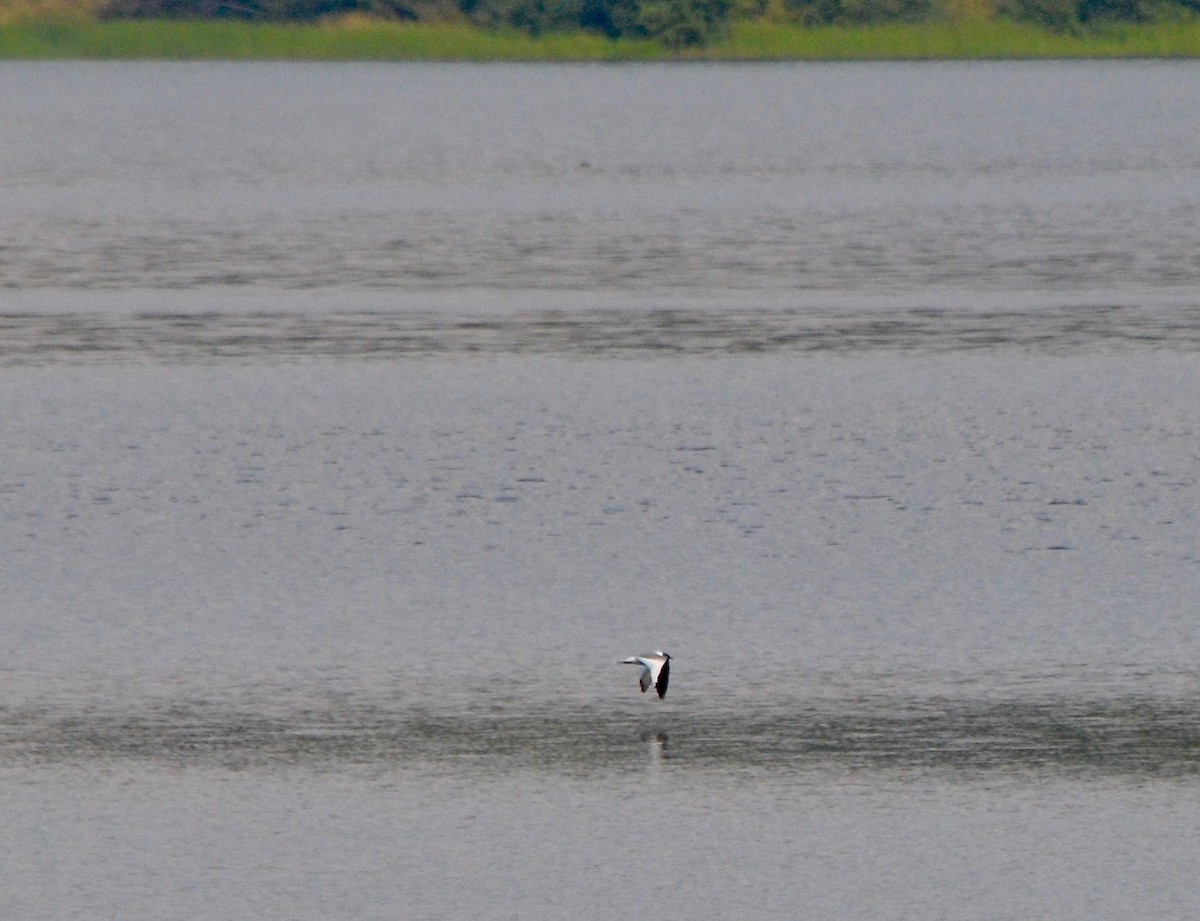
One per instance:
(656, 745)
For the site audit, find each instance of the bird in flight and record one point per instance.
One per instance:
(656, 669)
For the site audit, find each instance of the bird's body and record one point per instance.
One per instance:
(656, 670)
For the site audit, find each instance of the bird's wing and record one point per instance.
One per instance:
(644, 679)
(655, 666)
(660, 683)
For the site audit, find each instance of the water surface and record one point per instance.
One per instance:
(356, 420)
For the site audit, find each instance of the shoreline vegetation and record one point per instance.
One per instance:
(634, 30)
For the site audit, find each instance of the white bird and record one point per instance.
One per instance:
(656, 669)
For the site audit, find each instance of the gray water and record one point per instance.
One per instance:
(356, 420)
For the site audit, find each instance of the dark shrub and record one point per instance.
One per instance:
(1119, 10)
(859, 12)
(675, 23)
(612, 17)
(532, 16)
(1060, 15)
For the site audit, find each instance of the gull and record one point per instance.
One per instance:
(656, 669)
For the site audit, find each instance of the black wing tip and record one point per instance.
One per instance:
(663, 676)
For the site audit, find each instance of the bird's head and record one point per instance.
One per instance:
(659, 652)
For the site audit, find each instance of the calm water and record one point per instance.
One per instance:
(356, 420)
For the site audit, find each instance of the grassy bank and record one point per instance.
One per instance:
(87, 38)
(968, 40)
(227, 40)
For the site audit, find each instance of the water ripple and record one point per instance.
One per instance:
(36, 339)
(1077, 737)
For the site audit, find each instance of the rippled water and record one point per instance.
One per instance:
(944, 180)
(73, 338)
(1128, 738)
(357, 420)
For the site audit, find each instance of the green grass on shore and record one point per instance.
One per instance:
(965, 40)
(227, 40)
(85, 38)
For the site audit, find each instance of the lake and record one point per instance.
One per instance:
(357, 420)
